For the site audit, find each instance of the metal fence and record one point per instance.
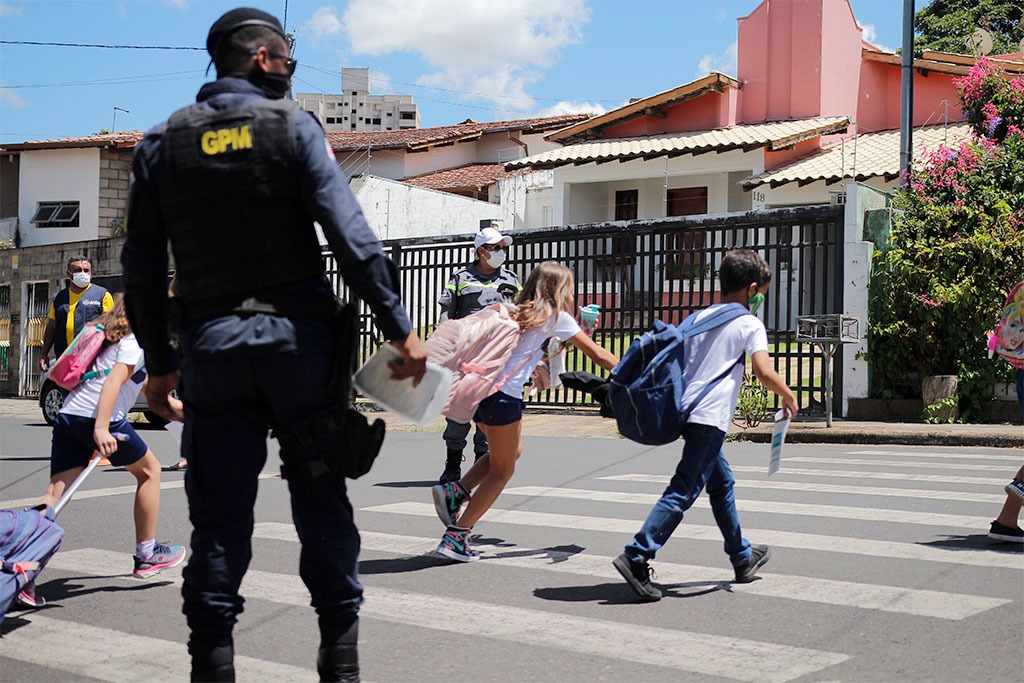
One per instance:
(640, 271)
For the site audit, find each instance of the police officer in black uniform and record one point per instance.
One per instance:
(234, 183)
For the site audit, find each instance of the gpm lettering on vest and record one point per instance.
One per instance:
(226, 140)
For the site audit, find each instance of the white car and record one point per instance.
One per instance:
(51, 398)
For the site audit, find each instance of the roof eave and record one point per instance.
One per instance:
(713, 82)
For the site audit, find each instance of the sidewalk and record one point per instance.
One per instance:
(582, 424)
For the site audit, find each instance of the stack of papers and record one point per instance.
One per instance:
(420, 405)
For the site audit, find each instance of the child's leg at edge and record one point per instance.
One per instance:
(1010, 513)
(491, 473)
(147, 495)
(58, 484)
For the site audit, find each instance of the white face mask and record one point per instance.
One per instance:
(496, 258)
(81, 279)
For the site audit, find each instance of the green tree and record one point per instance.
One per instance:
(955, 251)
(944, 25)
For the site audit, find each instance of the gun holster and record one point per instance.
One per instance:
(356, 442)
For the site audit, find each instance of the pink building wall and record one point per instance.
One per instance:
(713, 110)
(785, 70)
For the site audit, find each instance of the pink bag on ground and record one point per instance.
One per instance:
(73, 365)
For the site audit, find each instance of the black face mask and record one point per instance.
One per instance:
(274, 86)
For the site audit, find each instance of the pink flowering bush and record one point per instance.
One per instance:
(955, 251)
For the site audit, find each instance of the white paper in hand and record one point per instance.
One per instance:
(175, 428)
(421, 405)
(778, 438)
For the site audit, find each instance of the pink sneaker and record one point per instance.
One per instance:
(163, 557)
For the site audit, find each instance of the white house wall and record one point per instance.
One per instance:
(59, 175)
(440, 158)
(584, 194)
(791, 194)
(397, 210)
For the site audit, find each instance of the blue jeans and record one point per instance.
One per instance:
(240, 377)
(702, 464)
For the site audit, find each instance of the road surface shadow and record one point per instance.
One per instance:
(974, 542)
(407, 484)
(621, 594)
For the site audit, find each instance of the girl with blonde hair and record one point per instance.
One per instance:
(546, 305)
(94, 417)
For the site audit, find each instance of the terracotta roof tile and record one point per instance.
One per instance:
(421, 138)
(471, 176)
(774, 135)
(127, 139)
(878, 154)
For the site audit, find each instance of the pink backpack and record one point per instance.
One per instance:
(475, 348)
(73, 365)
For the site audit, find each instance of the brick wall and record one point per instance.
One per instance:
(115, 168)
(48, 263)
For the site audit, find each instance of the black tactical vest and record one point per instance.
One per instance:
(231, 198)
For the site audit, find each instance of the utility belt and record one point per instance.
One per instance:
(184, 315)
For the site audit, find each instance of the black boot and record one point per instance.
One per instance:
(338, 658)
(452, 467)
(212, 662)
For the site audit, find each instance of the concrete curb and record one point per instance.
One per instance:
(890, 437)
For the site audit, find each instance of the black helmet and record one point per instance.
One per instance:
(240, 18)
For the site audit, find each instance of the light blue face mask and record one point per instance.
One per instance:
(755, 302)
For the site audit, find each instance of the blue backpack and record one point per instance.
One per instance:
(647, 386)
(27, 540)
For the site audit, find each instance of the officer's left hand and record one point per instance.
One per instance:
(414, 359)
(158, 395)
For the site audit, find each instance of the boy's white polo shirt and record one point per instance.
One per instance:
(708, 355)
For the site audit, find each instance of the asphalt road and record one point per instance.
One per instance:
(880, 571)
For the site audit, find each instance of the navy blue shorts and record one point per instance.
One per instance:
(498, 410)
(73, 443)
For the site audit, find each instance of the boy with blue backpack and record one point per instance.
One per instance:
(707, 370)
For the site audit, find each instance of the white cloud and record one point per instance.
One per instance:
(324, 22)
(11, 98)
(492, 50)
(180, 4)
(870, 34)
(122, 11)
(9, 10)
(724, 62)
(566, 107)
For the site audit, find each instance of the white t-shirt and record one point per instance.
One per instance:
(563, 326)
(84, 399)
(708, 355)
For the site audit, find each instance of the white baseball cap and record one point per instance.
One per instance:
(490, 236)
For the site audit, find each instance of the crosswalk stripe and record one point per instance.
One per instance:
(698, 532)
(888, 492)
(894, 599)
(958, 456)
(84, 494)
(997, 482)
(960, 466)
(775, 507)
(103, 654)
(704, 654)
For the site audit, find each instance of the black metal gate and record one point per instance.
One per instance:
(639, 271)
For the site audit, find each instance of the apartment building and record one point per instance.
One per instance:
(357, 109)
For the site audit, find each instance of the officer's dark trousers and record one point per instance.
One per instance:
(239, 376)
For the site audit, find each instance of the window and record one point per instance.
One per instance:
(56, 215)
(331, 119)
(683, 250)
(375, 122)
(389, 113)
(408, 115)
(627, 204)
(687, 201)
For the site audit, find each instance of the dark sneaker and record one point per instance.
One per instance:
(163, 557)
(1016, 488)
(759, 554)
(455, 545)
(452, 467)
(638, 576)
(27, 598)
(998, 532)
(448, 500)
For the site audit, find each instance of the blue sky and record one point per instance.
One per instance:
(459, 59)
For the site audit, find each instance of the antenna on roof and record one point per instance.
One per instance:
(979, 42)
(113, 123)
